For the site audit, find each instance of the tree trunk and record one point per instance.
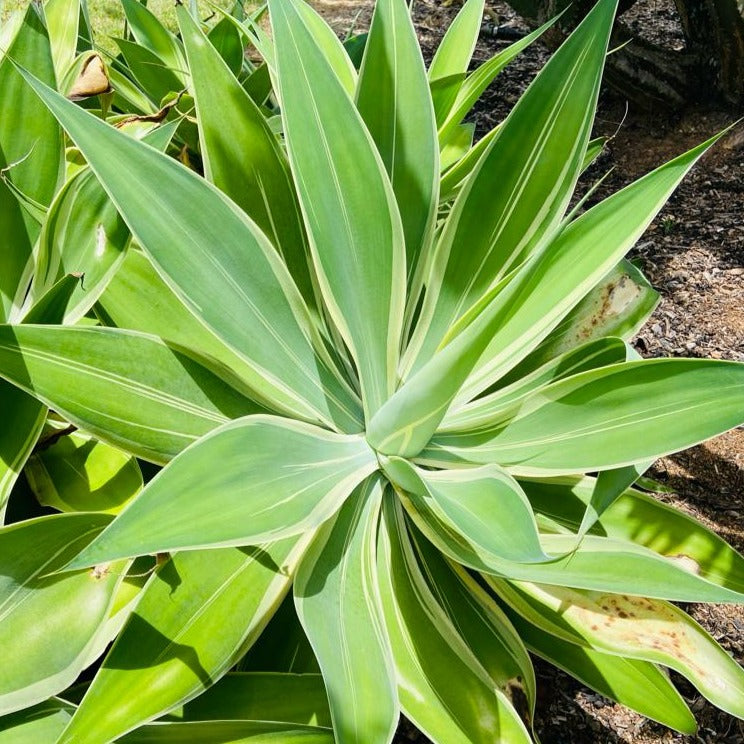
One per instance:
(711, 66)
(715, 35)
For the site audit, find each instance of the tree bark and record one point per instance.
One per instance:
(710, 67)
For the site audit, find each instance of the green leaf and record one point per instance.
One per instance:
(62, 21)
(500, 405)
(40, 723)
(24, 419)
(150, 33)
(338, 603)
(547, 287)
(137, 298)
(394, 100)
(618, 306)
(54, 303)
(457, 145)
(24, 415)
(444, 94)
(593, 151)
(476, 82)
(610, 417)
(283, 647)
(331, 46)
(235, 732)
(260, 313)
(44, 723)
(522, 309)
(226, 39)
(196, 616)
(262, 696)
(275, 478)
(518, 193)
(609, 485)
(482, 624)
(644, 520)
(637, 684)
(456, 48)
(355, 233)
(455, 175)
(467, 502)
(598, 563)
(521, 188)
(141, 395)
(442, 687)
(640, 628)
(151, 73)
(48, 622)
(128, 96)
(83, 234)
(79, 473)
(31, 150)
(242, 156)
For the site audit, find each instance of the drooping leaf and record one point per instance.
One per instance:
(638, 628)
(442, 687)
(466, 501)
(195, 617)
(644, 520)
(48, 622)
(142, 395)
(639, 685)
(354, 228)
(338, 602)
(598, 564)
(482, 624)
(276, 478)
(76, 472)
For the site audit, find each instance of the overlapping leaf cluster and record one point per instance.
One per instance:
(385, 372)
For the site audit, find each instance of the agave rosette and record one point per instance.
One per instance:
(400, 391)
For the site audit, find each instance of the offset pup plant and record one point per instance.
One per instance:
(413, 407)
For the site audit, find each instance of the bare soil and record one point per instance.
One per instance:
(693, 254)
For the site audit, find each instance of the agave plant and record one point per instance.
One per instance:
(400, 392)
